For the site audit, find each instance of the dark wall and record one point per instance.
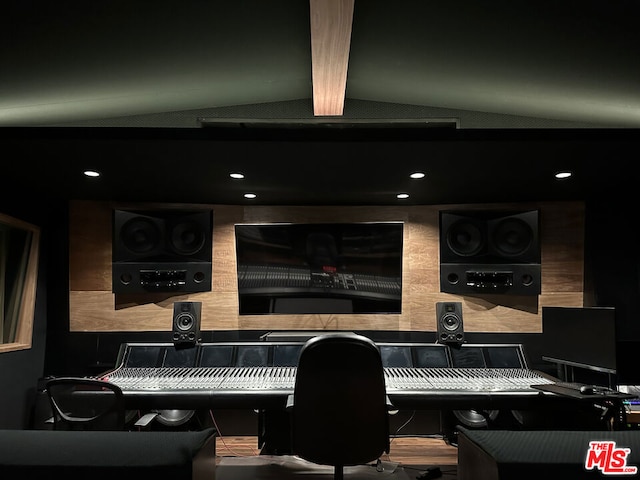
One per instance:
(612, 254)
(21, 370)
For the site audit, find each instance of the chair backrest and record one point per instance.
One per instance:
(85, 404)
(340, 416)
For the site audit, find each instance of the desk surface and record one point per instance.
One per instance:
(575, 393)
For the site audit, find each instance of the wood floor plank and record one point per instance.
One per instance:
(404, 450)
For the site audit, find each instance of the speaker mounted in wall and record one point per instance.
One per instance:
(490, 252)
(450, 326)
(162, 251)
(186, 324)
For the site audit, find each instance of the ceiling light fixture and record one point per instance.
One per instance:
(417, 175)
(402, 196)
(563, 174)
(91, 173)
(250, 195)
(236, 175)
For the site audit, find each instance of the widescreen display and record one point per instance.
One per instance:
(312, 268)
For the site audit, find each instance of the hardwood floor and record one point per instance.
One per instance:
(422, 451)
(237, 446)
(407, 451)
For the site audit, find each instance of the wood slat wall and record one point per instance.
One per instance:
(94, 308)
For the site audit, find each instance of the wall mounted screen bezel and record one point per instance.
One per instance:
(319, 268)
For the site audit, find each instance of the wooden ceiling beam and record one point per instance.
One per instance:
(330, 43)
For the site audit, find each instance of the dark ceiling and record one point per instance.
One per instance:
(497, 98)
(319, 167)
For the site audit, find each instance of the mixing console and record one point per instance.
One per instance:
(283, 378)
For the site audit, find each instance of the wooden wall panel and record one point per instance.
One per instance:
(93, 307)
(90, 246)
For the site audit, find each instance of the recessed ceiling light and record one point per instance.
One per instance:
(91, 173)
(236, 175)
(563, 174)
(417, 175)
(250, 195)
(402, 195)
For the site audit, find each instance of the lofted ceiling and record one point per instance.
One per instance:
(489, 99)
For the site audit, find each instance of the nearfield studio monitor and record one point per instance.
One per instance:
(490, 252)
(161, 251)
(450, 326)
(186, 323)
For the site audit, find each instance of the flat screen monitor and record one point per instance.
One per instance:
(286, 355)
(252, 356)
(216, 356)
(505, 356)
(580, 336)
(498, 355)
(143, 356)
(180, 357)
(431, 356)
(396, 356)
(315, 268)
(468, 357)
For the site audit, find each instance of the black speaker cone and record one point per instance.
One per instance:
(140, 235)
(187, 238)
(450, 322)
(184, 321)
(465, 238)
(512, 237)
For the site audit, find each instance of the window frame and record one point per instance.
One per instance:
(26, 305)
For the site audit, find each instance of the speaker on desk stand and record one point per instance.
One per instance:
(186, 324)
(449, 318)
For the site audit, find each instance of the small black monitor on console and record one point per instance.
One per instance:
(179, 357)
(216, 355)
(142, 356)
(396, 355)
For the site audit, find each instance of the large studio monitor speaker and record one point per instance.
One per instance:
(161, 251)
(490, 252)
(186, 323)
(449, 318)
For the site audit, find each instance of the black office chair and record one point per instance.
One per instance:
(86, 404)
(339, 410)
